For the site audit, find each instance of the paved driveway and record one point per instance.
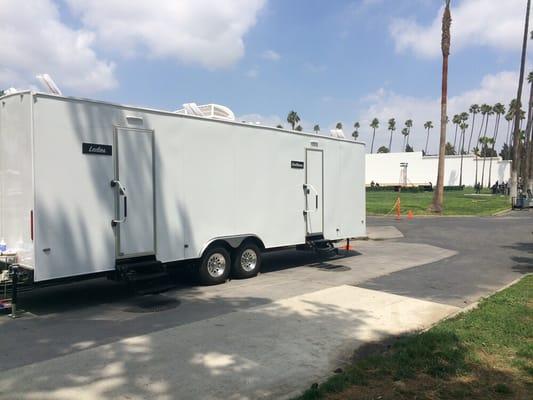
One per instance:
(266, 337)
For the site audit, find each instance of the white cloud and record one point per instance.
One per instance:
(252, 73)
(314, 67)
(271, 55)
(493, 23)
(34, 40)
(384, 104)
(205, 32)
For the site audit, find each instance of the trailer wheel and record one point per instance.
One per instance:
(215, 266)
(247, 260)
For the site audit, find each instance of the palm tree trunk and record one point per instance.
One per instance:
(438, 196)
(476, 160)
(529, 162)
(484, 150)
(462, 140)
(515, 165)
(495, 137)
(427, 141)
(372, 146)
(404, 139)
(455, 135)
(390, 142)
(471, 132)
(508, 142)
(480, 128)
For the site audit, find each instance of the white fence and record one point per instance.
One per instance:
(384, 168)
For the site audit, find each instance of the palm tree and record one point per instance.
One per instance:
(427, 125)
(405, 133)
(463, 128)
(499, 110)
(484, 141)
(438, 196)
(391, 128)
(316, 128)
(474, 109)
(339, 125)
(374, 125)
(456, 120)
(515, 164)
(355, 133)
(449, 150)
(279, 126)
(485, 110)
(293, 119)
(299, 128)
(408, 125)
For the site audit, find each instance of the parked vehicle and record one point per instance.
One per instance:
(92, 188)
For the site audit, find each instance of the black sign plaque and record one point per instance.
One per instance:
(297, 164)
(98, 149)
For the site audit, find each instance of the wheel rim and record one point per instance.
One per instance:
(248, 260)
(216, 265)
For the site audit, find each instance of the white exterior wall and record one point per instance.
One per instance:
(384, 168)
(16, 175)
(212, 179)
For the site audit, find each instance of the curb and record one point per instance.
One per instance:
(475, 304)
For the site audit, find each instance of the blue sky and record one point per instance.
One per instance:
(328, 60)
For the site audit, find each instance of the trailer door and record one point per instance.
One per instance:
(314, 199)
(134, 193)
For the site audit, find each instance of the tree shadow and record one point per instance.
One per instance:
(216, 357)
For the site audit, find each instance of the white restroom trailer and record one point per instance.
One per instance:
(89, 187)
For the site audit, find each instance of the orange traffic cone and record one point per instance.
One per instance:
(410, 215)
(398, 209)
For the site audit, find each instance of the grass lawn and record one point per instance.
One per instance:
(483, 354)
(455, 203)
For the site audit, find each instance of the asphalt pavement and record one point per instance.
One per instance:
(267, 337)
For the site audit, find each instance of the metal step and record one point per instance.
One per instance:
(142, 271)
(323, 247)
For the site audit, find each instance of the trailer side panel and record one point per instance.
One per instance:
(16, 175)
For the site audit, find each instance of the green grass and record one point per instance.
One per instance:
(486, 353)
(455, 203)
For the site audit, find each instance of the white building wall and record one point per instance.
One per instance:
(384, 168)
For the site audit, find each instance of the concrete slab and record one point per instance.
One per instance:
(383, 232)
(269, 351)
(70, 318)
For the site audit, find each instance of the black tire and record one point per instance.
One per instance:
(242, 268)
(214, 257)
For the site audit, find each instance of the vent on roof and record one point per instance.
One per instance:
(215, 111)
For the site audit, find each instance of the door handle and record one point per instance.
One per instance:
(126, 207)
(121, 192)
(308, 188)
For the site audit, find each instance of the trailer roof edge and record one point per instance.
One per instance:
(170, 113)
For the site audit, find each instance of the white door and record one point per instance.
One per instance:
(314, 200)
(134, 186)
